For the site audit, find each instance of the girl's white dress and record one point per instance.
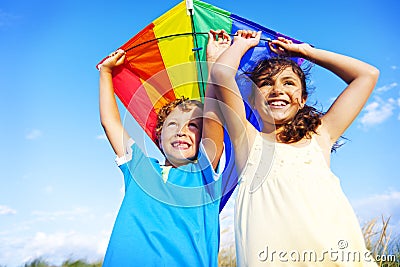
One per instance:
(291, 211)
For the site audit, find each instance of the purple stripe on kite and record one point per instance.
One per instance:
(262, 50)
(247, 24)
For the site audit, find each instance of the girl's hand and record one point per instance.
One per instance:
(286, 47)
(218, 42)
(247, 38)
(114, 59)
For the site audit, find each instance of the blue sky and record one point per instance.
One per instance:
(60, 189)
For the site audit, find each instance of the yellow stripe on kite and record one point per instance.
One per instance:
(157, 100)
(176, 51)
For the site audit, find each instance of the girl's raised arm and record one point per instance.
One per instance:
(241, 132)
(109, 113)
(359, 76)
(361, 79)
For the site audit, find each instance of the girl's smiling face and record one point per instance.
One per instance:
(279, 98)
(181, 135)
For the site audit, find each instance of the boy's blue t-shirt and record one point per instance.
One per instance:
(166, 223)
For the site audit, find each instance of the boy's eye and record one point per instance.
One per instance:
(192, 124)
(171, 123)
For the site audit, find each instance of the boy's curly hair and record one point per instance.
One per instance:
(308, 118)
(184, 103)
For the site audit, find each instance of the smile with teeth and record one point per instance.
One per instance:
(180, 145)
(277, 103)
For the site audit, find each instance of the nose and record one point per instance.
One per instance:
(276, 91)
(181, 131)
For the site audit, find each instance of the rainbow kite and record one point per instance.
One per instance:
(166, 59)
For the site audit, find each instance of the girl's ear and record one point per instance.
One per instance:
(303, 102)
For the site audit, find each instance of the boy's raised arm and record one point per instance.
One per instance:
(241, 132)
(213, 133)
(109, 113)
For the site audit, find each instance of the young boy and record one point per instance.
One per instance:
(170, 213)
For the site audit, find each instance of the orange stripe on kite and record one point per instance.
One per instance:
(129, 89)
(146, 62)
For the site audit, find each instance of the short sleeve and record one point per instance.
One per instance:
(128, 162)
(205, 162)
(128, 153)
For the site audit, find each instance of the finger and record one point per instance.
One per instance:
(272, 46)
(121, 59)
(226, 37)
(221, 34)
(214, 34)
(210, 37)
(258, 35)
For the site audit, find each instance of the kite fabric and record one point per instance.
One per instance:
(166, 60)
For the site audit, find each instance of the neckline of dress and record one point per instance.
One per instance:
(307, 142)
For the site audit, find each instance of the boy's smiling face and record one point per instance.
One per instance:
(181, 135)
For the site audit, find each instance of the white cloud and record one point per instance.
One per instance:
(34, 134)
(49, 189)
(227, 240)
(378, 205)
(394, 67)
(377, 112)
(101, 137)
(56, 236)
(4, 210)
(77, 213)
(55, 248)
(387, 87)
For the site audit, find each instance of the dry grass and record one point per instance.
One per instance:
(378, 239)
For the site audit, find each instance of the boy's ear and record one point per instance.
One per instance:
(159, 143)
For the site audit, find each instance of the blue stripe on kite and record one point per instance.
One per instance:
(254, 26)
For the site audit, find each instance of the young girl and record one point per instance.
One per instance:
(170, 213)
(290, 209)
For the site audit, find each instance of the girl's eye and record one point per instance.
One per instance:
(171, 123)
(289, 83)
(267, 83)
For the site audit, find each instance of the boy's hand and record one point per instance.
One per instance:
(247, 38)
(286, 47)
(114, 59)
(218, 42)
